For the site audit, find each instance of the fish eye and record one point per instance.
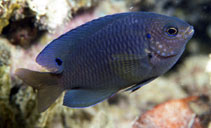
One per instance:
(172, 31)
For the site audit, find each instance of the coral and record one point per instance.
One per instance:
(51, 14)
(16, 22)
(208, 68)
(12, 108)
(4, 52)
(6, 112)
(77, 4)
(6, 10)
(110, 7)
(29, 18)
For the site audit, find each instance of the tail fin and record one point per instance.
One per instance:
(46, 84)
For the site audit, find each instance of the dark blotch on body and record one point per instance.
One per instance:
(58, 61)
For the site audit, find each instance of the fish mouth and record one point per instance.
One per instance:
(188, 32)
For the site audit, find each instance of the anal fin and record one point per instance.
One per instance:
(80, 98)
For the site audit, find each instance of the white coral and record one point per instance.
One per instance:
(50, 13)
(208, 68)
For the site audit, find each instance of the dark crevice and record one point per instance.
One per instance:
(22, 32)
(14, 90)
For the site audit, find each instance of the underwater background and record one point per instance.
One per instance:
(183, 94)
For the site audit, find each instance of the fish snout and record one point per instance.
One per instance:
(188, 32)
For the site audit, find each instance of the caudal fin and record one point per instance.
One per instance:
(46, 84)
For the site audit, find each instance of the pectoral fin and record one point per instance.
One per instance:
(130, 67)
(137, 86)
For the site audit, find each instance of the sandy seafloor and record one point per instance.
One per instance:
(26, 26)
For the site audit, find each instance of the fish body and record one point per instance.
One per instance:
(94, 61)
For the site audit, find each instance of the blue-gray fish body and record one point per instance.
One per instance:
(101, 57)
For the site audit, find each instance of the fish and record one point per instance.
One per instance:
(118, 52)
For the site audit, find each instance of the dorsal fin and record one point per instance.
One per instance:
(60, 47)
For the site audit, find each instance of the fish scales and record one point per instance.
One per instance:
(102, 57)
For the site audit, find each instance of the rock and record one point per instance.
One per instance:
(171, 114)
